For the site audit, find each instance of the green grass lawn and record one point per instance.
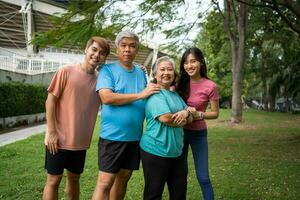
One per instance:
(256, 160)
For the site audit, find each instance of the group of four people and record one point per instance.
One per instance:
(168, 104)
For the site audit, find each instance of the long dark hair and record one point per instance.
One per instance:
(183, 87)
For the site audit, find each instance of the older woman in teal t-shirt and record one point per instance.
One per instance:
(162, 143)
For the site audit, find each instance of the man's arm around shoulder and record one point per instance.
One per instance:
(107, 96)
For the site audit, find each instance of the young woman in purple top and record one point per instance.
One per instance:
(197, 91)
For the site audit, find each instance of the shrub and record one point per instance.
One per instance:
(21, 99)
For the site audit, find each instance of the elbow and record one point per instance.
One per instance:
(50, 101)
(105, 101)
(216, 115)
(165, 119)
(109, 101)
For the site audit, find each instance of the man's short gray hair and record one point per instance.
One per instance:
(126, 34)
(161, 59)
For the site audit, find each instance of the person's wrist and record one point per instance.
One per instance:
(201, 115)
(139, 96)
(51, 131)
(188, 113)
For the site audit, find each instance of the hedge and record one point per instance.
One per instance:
(21, 99)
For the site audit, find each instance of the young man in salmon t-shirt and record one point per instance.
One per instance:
(71, 110)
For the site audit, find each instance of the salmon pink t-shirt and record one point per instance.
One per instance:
(77, 106)
(201, 93)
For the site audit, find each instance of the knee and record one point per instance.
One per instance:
(73, 178)
(204, 181)
(53, 181)
(105, 183)
(124, 176)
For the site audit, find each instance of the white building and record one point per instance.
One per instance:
(20, 60)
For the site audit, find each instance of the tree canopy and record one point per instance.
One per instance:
(256, 40)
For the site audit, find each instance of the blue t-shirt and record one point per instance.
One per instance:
(122, 122)
(160, 139)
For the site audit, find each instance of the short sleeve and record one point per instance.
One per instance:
(58, 82)
(214, 94)
(145, 78)
(105, 79)
(143, 73)
(157, 105)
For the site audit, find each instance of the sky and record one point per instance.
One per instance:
(189, 11)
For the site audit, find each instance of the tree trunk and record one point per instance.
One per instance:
(236, 23)
(264, 88)
(272, 99)
(286, 100)
(237, 82)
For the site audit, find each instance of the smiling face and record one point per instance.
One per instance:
(192, 66)
(165, 74)
(126, 51)
(95, 55)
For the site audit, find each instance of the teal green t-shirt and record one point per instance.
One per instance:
(160, 139)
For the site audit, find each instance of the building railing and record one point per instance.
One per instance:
(30, 65)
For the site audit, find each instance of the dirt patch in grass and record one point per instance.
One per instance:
(293, 139)
(295, 123)
(288, 123)
(228, 124)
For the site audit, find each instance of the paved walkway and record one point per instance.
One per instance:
(21, 134)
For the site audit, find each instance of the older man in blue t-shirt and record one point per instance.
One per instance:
(122, 90)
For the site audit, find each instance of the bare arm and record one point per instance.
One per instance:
(107, 96)
(214, 111)
(212, 114)
(182, 115)
(168, 120)
(52, 137)
(174, 120)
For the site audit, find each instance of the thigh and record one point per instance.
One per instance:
(75, 161)
(177, 179)
(55, 164)
(131, 156)
(185, 150)
(176, 171)
(156, 170)
(110, 154)
(54, 180)
(106, 179)
(124, 175)
(72, 177)
(199, 147)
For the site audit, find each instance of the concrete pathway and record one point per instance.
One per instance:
(21, 134)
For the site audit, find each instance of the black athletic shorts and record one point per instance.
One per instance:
(114, 155)
(73, 161)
